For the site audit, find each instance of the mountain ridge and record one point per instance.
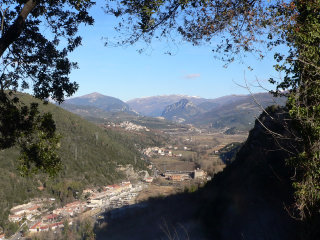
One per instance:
(180, 110)
(98, 100)
(231, 111)
(153, 106)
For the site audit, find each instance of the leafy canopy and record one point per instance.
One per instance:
(36, 37)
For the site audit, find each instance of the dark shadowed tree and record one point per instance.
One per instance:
(36, 37)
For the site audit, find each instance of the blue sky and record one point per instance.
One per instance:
(124, 73)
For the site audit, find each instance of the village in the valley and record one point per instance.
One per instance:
(41, 214)
(170, 169)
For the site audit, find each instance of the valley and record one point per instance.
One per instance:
(165, 159)
(154, 119)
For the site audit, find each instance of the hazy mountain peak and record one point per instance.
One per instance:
(154, 105)
(93, 95)
(182, 104)
(98, 100)
(180, 111)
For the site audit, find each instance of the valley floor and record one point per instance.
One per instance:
(166, 209)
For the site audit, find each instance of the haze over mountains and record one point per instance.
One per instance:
(99, 101)
(237, 111)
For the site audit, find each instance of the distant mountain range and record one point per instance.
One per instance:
(154, 106)
(229, 111)
(238, 111)
(235, 111)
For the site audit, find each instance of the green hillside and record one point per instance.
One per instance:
(89, 155)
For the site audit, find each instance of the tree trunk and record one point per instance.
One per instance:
(17, 27)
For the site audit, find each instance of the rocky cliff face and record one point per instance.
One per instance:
(251, 199)
(180, 111)
(154, 106)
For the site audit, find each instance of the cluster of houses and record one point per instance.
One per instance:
(128, 126)
(178, 176)
(71, 209)
(95, 199)
(30, 210)
(153, 151)
(148, 179)
(158, 151)
(51, 221)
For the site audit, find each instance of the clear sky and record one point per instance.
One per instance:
(125, 74)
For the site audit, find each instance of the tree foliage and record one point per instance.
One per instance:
(303, 76)
(230, 26)
(36, 37)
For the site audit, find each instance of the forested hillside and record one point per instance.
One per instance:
(89, 155)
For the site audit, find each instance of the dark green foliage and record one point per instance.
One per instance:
(11, 229)
(304, 105)
(302, 85)
(29, 54)
(31, 58)
(22, 124)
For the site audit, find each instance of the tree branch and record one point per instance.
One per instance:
(17, 27)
